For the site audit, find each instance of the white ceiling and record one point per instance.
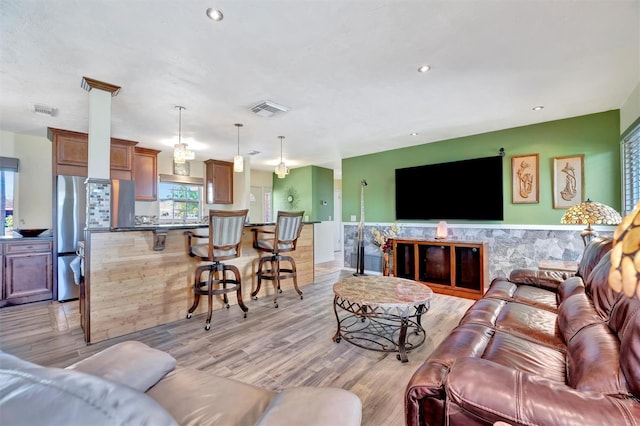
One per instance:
(346, 68)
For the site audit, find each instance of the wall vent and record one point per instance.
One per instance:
(44, 110)
(268, 109)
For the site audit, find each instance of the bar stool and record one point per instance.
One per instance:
(224, 240)
(283, 239)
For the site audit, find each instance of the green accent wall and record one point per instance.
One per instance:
(597, 136)
(308, 186)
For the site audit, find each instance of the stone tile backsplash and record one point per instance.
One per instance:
(509, 248)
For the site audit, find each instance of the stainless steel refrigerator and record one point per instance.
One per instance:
(71, 221)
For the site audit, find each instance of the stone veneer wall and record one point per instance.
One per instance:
(519, 246)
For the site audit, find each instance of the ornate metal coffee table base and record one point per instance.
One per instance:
(379, 329)
(381, 313)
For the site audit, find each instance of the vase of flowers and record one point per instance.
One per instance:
(384, 240)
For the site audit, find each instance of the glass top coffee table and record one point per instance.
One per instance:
(381, 313)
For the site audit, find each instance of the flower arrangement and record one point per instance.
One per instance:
(384, 239)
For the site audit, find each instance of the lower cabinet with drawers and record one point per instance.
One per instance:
(26, 270)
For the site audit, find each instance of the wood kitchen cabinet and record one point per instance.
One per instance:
(218, 182)
(27, 271)
(71, 154)
(145, 173)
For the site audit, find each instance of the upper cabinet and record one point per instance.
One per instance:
(219, 182)
(145, 173)
(71, 154)
(122, 152)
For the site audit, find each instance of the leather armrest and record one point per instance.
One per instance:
(130, 363)
(516, 397)
(547, 279)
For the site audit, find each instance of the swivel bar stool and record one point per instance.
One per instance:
(225, 237)
(283, 239)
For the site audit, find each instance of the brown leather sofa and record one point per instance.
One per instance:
(540, 348)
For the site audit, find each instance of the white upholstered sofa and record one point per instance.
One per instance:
(130, 383)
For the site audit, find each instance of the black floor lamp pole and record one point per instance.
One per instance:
(360, 241)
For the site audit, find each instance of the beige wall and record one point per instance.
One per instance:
(33, 202)
(630, 110)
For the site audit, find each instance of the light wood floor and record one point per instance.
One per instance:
(272, 348)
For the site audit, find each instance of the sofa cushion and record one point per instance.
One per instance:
(195, 397)
(479, 341)
(522, 293)
(593, 362)
(483, 393)
(596, 248)
(525, 321)
(575, 313)
(66, 397)
(525, 355)
(547, 279)
(625, 322)
(313, 406)
(573, 285)
(604, 297)
(130, 363)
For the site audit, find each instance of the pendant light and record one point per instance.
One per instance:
(281, 170)
(181, 153)
(238, 161)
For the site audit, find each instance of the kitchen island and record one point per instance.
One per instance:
(130, 285)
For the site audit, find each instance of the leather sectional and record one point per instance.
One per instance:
(130, 383)
(541, 348)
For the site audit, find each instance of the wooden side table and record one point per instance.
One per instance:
(558, 265)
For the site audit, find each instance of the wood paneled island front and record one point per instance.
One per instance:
(131, 286)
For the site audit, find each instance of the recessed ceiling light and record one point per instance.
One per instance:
(537, 108)
(214, 14)
(424, 68)
(414, 134)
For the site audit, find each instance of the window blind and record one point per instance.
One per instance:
(631, 169)
(8, 164)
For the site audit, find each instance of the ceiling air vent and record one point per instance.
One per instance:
(268, 109)
(44, 110)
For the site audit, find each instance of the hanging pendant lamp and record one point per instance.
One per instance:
(281, 170)
(181, 153)
(238, 161)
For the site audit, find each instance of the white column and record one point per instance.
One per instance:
(99, 134)
(100, 95)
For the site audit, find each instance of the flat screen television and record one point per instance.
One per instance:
(466, 189)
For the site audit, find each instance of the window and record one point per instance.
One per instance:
(631, 170)
(180, 202)
(8, 169)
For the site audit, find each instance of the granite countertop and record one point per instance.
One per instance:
(173, 226)
(16, 236)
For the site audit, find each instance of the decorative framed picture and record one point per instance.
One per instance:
(568, 181)
(525, 179)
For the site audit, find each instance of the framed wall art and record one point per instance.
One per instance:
(524, 179)
(568, 181)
